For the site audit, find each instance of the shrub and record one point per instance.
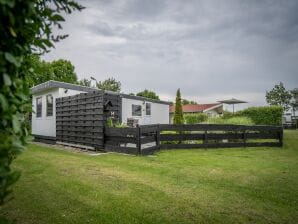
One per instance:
(232, 120)
(114, 123)
(195, 118)
(269, 115)
(214, 120)
(109, 122)
(239, 120)
(120, 125)
(227, 114)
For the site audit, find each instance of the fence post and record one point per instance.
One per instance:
(138, 138)
(158, 137)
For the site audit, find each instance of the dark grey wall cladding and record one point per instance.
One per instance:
(112, 106)
(80, 119)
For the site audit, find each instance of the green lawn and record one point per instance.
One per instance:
(252, 185)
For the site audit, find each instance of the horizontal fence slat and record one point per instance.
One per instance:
(128, 150)
(219, 145)
(260, 144)
(120, 131)
(176, 137)
(149, 150)
(204, 145)
(120, 139)
(148, 139)
(215, 127)
(148, 129)
(262, 135)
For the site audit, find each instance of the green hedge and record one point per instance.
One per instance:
(195, 118)
(269, 115)
(233, 120)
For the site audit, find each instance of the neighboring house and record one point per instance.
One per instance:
(146, 111)
(211, 109)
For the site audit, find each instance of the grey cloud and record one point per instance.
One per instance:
(207, 48)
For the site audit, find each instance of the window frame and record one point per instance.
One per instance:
(47, 106)
(132, 110)
(38, 107)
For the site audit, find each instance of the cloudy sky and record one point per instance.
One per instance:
(212, 50)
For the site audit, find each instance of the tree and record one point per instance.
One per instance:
(279, 96)
(59, 70)
(63, 71)
(38, 71)
(178, 114)
(84, 82)
(26, 27)
(186, 102)
(148, 94)
(294, 101)
(110, 84)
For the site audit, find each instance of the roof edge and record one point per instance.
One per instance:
(123, 95)
(214, 107)
(57, 84)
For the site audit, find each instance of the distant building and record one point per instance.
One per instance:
(211, 109)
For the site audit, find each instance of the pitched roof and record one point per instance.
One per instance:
(191, 108)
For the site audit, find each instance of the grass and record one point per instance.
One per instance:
(252, 185)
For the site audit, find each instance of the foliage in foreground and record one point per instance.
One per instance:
(26, 27)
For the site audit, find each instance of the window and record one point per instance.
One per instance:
(148, 108)
(49, 105)
(136, 110)
(38, 107)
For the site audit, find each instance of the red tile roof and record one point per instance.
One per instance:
(191, 108)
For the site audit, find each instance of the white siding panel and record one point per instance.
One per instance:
(46, 126)
(159, 112)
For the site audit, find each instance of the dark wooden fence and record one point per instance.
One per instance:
(147, 139)
(140, 140)
(80, 119)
